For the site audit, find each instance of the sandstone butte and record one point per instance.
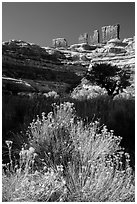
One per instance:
(75, 58)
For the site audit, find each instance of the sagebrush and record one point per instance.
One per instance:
(66, 160)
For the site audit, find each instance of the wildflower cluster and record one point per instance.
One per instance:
(70, 161)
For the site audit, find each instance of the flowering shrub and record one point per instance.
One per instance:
(88, 92)
(70, 161)
(102, 172)
(24, 183)
(50, 135)
(51, 94)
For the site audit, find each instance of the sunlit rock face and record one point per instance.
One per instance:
(95, 39)
(110, 32)
(120, 53)
(117, 42)
(131, 45)
(83, 38)
(74, 59)
(82, 47)
(59, 42)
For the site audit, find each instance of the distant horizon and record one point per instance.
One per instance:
(40, 22)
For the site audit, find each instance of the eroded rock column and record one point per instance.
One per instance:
(95, 38)
(110, 32)
(83, 38)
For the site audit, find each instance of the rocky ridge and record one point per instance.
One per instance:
(68, 63)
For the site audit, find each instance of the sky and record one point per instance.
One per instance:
(40, 22)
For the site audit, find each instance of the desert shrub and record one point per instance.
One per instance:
(88, 92)
(98, 169)
(118, 115)
(50, 135)
(99, 174)
(23, 183)
(110, 77)
(51, 94)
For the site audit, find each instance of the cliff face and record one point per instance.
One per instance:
(62, 66)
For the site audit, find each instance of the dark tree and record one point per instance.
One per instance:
(110, 77)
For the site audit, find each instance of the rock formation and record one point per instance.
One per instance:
(110, 32)
(56, 63)
(95, 39)
(117, 42)
(83, 38)
(59, 42)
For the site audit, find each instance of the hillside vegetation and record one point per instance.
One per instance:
(67, 137)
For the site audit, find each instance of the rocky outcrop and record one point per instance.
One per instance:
(115, 46)
(131, 45)
(83, 38)
(24, 53)
(110, 32)
(95, 39)
(116, 50)
(117, 42)
(121, 61)
(20, 59)
(59, 42)
(82, 47)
